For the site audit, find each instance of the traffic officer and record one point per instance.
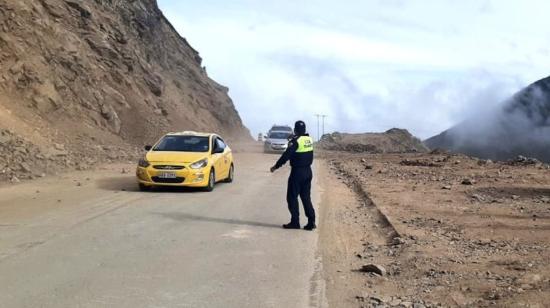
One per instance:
(300, 154)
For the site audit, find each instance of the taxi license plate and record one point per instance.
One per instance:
(167, 175)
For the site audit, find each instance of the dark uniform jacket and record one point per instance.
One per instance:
(299, 152)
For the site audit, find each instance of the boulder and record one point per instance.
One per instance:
(374, 268)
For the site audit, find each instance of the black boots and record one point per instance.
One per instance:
(292, 225)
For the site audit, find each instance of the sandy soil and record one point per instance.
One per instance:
(449, 231)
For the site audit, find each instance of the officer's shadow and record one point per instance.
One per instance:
(186, 217)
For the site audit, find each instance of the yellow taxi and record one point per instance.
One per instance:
(186, 159)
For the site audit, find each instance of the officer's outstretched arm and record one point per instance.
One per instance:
(291, 149)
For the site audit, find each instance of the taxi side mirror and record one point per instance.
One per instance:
(148, 148)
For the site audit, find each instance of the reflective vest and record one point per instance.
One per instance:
(305, 144)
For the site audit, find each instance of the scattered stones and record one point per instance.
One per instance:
(82, 166)
(109, 114)
(524, 161)
(419, 163)
(4, 138)
(483, 162)
(155, 83)
(25, 167)
(395, 302)
(80, 7)
(467, 182)
(398, 241)
(478, 197)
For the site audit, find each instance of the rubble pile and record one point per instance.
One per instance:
(392, 141)
(22, 160)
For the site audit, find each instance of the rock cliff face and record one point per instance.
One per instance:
(520, 126)
(89, 73)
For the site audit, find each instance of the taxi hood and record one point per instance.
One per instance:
(175, 157)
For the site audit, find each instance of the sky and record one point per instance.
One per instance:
(369, 65)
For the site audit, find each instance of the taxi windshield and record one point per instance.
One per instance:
(183, 144)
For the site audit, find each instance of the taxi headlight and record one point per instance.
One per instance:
(143, 163)
(199, 164)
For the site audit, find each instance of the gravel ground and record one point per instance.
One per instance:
(458, 231)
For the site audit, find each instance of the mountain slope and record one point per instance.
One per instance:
(100, 73)
(520, 126)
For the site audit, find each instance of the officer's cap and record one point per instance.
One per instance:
(300, 127)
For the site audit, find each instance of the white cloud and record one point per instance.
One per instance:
(370, 65)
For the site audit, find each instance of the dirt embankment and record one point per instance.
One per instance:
(447, 230)
(97, 77)
(392, 141)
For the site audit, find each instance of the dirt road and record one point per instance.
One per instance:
(90, 239)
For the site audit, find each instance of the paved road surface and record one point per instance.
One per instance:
(104, 244)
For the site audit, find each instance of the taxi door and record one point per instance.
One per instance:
(218, 159)
(226, 157)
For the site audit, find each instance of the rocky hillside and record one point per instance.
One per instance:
(392, 141)
(520, 126)
(89, 75)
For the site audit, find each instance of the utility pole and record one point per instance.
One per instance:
(324, 116)
(318, 137)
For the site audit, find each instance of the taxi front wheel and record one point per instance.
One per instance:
(231, 174)
(211, 181)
